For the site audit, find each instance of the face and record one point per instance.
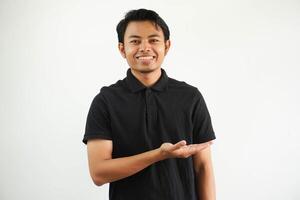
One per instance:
(144, 47)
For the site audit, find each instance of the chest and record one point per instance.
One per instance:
(143, 122)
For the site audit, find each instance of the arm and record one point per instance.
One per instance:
(204, 174)
(104, 169)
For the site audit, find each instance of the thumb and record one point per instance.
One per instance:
(178, 145)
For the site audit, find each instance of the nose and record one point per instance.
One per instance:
(145, 46)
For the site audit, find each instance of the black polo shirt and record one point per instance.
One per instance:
(139, 119)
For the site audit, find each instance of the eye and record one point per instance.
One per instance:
(154, 40)
(134, 41)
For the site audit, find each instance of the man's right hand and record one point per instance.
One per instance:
(180, 149)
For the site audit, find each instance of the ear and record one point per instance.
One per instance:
(167, 46)
(122, 49)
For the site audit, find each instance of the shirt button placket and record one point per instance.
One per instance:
(148, 94)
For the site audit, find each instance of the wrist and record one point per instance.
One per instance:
(160, 154)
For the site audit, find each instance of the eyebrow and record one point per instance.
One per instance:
(150, 36)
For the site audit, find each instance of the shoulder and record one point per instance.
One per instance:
(183, 88)
(109, 90)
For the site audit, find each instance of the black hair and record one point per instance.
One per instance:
(142, 15)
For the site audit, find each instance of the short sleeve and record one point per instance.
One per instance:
(202, 125)
(98, 120)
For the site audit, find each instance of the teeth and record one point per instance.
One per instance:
(145, 57)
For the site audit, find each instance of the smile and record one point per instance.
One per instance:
(145, 57)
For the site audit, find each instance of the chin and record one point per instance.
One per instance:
(145, 70)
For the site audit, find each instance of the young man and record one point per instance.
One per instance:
(149, 135)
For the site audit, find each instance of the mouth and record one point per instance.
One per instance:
(145, 57)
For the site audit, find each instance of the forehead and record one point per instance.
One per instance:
(142, 29)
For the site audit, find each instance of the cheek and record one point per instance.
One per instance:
(160, 52)
(161, 49)
(130, 50)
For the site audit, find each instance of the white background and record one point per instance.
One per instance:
(243, 55)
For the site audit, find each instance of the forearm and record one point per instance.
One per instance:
(119, 168)
(206, 183)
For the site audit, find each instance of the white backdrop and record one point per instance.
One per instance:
(243, 55)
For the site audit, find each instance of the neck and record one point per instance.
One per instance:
(147, 78)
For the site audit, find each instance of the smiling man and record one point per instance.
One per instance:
(149, 135)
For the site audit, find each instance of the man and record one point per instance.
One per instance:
(149, 135)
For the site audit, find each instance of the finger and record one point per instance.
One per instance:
(193, 147)
(178, 145)
(201, 146)
(198, 144)
(190, 150)
(187, 149)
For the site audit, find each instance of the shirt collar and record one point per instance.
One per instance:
(135, 85)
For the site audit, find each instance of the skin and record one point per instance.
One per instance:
(142, 38)
(105, 169)
(181, 149)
